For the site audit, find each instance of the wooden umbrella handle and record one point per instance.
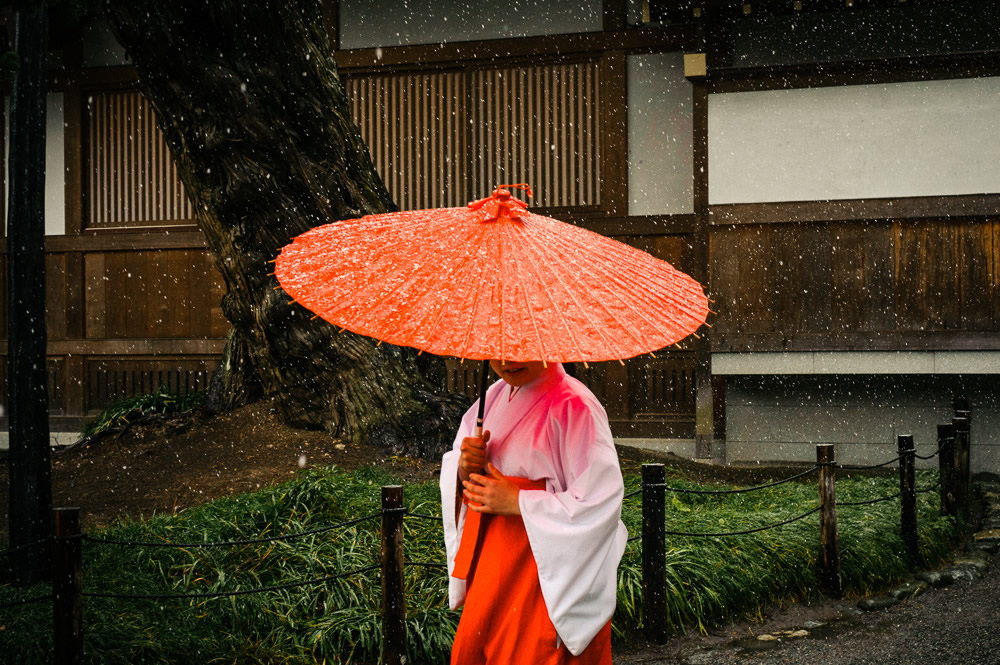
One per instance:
(483, 384)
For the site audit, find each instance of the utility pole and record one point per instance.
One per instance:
(30, 505)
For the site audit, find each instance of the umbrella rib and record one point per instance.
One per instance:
(622, 280)
(561, 257)
(451, 272)
(541, 259)
(527, 301)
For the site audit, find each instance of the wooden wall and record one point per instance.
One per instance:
(126, 314)
(920, 284)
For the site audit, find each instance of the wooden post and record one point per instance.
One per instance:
(829, 541)
(393, 600)
(29, 457)
(654, 553)
(67, 587)
(961, 486)
(908, 496)
(946, 467)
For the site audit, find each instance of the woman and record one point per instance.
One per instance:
(536, 538)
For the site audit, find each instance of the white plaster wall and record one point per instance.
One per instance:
(928, 138)
(55, 164)
(783, 417)
(660, 135)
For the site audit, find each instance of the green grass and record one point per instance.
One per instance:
(708, 579)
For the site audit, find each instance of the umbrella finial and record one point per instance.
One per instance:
(507, 205)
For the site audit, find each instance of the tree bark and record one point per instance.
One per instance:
(248, 96)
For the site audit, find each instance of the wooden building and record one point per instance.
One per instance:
(827, 168)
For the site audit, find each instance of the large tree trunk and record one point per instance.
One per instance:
(248, 96)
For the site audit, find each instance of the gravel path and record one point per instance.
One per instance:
(954, 625)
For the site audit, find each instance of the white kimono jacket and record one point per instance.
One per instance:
(555, 430)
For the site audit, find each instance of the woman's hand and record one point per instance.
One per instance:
(472, 458)
(494, 494)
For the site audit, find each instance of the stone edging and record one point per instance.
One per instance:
(969, 565)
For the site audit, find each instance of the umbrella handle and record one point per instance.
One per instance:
(483, 384)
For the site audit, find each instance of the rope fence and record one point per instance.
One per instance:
(952, 453)
(233, 543)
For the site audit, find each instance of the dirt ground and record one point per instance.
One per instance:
(162, 465)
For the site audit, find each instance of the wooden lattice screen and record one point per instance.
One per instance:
(131, 179)
(414, 125)
(442, 139)
(538, 125)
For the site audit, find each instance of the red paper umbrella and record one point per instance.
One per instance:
(491, 280)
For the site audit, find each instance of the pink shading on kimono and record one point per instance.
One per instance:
(552, 430)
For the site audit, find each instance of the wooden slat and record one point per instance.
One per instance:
(136, 303)
(112, 379)
(75, 295)
(661, 38)
(414, 126)
(55, 296)
(130, 178)
(159, 288)
(179, 299)
(916, 207)
(538, 124)
(95, 306)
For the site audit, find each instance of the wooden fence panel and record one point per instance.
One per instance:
(113, 379)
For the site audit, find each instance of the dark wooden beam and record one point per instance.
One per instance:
(855, 341)
(854, 72)
(424, 56)
(916, 207)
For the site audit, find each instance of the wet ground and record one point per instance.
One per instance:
(958, 624)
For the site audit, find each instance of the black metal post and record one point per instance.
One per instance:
(67, 587)
(829, 540)
(908, 495)
(393, 600)
(961, 486)
(654, 553)
(946, 467)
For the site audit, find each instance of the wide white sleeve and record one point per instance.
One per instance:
(449, 490)
(576, 534)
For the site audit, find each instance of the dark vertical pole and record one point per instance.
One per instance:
(696, 71)
(393, 601)
(961, 476)
(908, 495)
(29, 459)
(654, 553)
(829, 540)
(946, 467)
(67, 587)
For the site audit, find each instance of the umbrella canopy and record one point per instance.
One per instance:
(490, 280)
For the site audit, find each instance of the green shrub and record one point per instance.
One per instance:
(161, 402)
